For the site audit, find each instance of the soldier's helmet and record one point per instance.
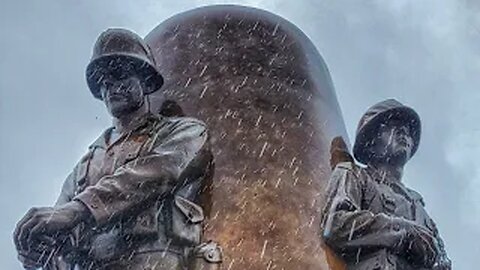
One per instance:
(120, 46)
(381, 113)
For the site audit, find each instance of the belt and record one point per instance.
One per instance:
(84, 258)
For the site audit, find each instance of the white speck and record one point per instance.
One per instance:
(350, 236)
(258, 120)
(292, 162)
(311, 221)
(203, 70)
(188, 82)
(275, 30)
(203, 91)
(231, 264)
(278, 182)
(263, 149)
(269, 265)
(295, 171)
(263, 249)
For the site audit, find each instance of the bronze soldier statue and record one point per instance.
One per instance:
(132, 201)
(371, 219)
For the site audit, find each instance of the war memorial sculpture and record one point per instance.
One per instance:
(218, 158)
(371, 218)
(130, 203)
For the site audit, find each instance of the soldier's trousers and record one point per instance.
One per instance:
(381, 260)
(158, 260)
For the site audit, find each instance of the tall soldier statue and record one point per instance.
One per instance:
(131, 201)
(371, 219)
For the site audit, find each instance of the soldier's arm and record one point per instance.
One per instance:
(37, 253)
(70, 185)
(348, 228)
(66, 195)
(68, 190)
(443, 262)
(149, 177)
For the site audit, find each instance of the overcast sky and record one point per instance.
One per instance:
(424, 53)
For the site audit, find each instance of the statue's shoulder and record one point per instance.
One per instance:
(179, 121)
(350, 172)
(101, 140)
(417, 197)
(186, 120)
(170, 124)
(354, 173)
(350, 167)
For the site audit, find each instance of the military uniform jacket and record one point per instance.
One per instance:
(358, 220)
(140, 189)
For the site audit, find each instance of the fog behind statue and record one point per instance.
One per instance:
(371, 219)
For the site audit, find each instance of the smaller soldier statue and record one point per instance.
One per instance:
(371, 219)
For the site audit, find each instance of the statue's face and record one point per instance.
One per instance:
(122, 92)
(393, 144)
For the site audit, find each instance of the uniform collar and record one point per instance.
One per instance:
(381, 178)
(143, 125)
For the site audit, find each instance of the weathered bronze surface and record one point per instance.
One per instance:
(268, 100)
(371, 218)
(132, 201)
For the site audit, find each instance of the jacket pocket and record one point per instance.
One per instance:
(186, 222)
(142, 227)
(388, 203)
(131, 151)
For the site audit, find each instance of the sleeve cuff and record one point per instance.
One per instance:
(95, 205)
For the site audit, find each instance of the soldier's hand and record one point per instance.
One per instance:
(443, 265)
(31, 261)
(47, 221)
(339, 152)
(423, 247)
(37, 256)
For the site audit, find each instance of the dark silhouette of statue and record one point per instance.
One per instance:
(132, 201)
(371, 219)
